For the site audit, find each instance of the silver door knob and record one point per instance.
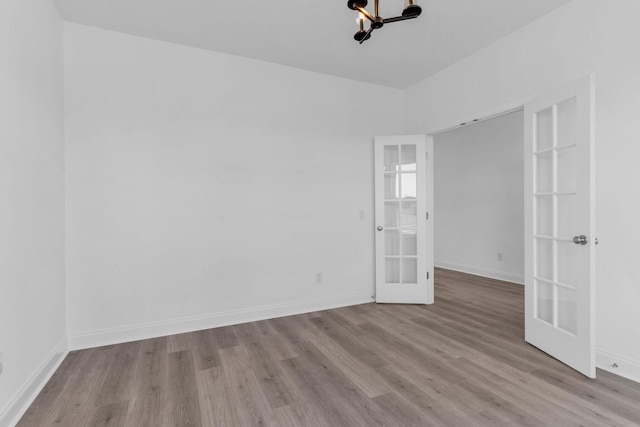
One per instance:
(580, 240)
(379, 228)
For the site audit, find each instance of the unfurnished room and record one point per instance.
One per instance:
(328, 213)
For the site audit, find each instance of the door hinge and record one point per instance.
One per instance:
(427, 216)
(426, 155)
(427, 275)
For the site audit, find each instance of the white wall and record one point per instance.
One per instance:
(479, 201)
(32, 295)
(581, 37)
(204, 188)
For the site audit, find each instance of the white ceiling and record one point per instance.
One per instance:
(318, 35)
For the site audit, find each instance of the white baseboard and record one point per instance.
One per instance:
(32, 387)
(627, 368)
(492, 274)
(196, 323)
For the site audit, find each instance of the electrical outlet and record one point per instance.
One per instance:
(499, 256)
(319, 277)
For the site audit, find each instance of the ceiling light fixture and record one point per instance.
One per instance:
(411, 10)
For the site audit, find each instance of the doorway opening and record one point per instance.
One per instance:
(558, 215)
(479, 198)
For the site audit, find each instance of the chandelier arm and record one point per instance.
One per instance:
(399, 18)
(366, 36)
(366, 14)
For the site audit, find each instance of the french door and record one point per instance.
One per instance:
(560, 225)
(404, 230)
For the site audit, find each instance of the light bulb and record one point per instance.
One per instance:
(360, 17)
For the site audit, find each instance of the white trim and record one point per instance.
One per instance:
(627, 368)
(21, 401)
(430, 219)
(189, 324)
(479, 115)
(479, 120)
(492, 274)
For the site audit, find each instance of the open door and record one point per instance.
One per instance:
(560, 225)
(404, 230)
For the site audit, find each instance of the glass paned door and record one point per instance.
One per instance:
(404, 261)
(560, 241)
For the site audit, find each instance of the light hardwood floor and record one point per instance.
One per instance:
(461, 361)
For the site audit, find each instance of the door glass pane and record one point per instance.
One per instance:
(544, 259)
(409, 219)
(392, 270)
(544, 301)
(567, 124)
(544, 129)
(409, 241)
(567, 310)
(409, 270)
(392, 214)
(408, 157)
(569, 255)
(567, 216)
(392, 242)
(408, 187)
(544, 215)
(544, 172)
(391, 186)
(568, 170)
(391, 158)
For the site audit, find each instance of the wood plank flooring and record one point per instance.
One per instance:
(459, 362)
